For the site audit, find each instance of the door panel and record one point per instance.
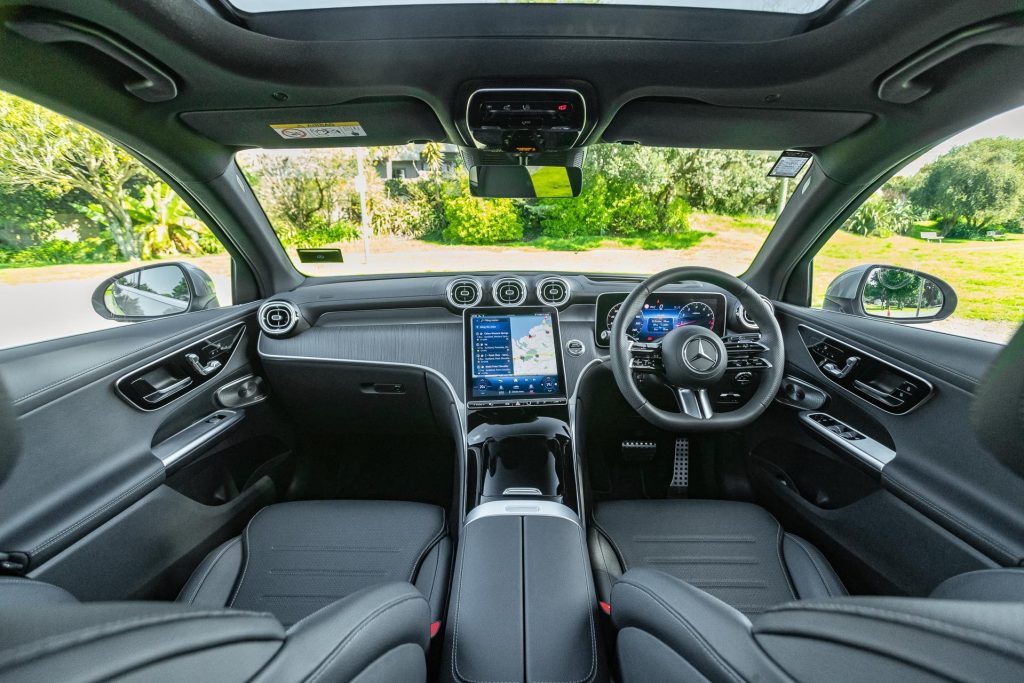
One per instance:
(941, 504)
(88, 456)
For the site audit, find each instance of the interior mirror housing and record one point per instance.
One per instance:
(899, 295)
(155, 291)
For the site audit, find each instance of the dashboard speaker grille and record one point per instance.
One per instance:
(509, 291)
(277, 317)
(553, 291)
(464, 292)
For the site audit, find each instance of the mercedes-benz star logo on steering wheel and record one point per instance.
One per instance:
(699, 356)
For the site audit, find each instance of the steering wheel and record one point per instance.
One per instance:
(692, 359)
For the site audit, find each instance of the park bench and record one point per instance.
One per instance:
(993, 235)
(929, 236)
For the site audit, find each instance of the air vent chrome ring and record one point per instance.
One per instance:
(553, 291)
(464, 292)
(509, 291)
(743, 316)
(278, 317)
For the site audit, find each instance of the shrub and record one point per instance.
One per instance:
(472, 220)
(55, 252)
(584, 215)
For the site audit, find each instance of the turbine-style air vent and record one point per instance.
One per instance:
(464, 292)
(553, 291)
(278, 318)
(744, 316)
(509, 291)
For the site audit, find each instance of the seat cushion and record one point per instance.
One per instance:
(295, 558)
(735, 551)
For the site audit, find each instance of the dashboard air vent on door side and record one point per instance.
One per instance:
(508, 291)
(278, 318)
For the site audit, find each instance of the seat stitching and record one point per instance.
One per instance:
(245, 561)
(97, 512)
(336, 651)
(210, 568)
(36, 649)
(814, 563)
(694, 633)
(1006, 645)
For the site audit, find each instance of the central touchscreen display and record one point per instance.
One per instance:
(513, 357)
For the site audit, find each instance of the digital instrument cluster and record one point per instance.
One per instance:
(661, 313)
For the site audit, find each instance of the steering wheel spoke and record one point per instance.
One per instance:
(645, 358)
(748, 355)
(696, 404)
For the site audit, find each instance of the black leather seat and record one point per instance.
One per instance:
(669, 630)
(295, 558)
(734, 551)
(318, 591)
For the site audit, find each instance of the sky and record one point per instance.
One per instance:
(1010, 124)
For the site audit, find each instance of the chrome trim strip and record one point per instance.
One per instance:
(195, 437)
(522, 491)
(476, 92)
(867, 450)
(177, 350)
(577, 470)
(931, 387)
(522, 508)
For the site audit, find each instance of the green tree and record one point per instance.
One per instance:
(43, 149)
(973, 185)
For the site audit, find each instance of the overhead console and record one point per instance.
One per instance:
(526, 121)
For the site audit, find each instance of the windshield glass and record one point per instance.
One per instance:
(408, 209)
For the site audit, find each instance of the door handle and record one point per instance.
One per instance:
(167, 392)
(204, 370)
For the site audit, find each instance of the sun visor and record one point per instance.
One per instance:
(363, 123)
(674, 123)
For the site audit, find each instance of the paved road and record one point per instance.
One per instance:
(38, 311)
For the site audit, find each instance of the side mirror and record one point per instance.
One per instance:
(899, 295)
(154, 291)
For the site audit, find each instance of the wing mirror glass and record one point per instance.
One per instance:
(899, 295)
(155, 291)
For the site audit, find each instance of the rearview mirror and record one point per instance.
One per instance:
(899, 295)
(154, 291)
(525, 181)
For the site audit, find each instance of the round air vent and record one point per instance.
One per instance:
(744, 317)
(553, 291)
(278, 317)
(509, 291)
(464, 292)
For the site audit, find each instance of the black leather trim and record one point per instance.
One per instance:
(986, 585)
(811, 573)
(18, 592)
(213, 581)
(997, 413)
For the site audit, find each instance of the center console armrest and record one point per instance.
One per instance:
(523, 606)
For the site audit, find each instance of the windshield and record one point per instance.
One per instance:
(408, 209)
(774, 6)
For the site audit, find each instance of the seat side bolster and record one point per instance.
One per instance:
(19, 592)
(433, 575)
(213, 580)
(711, 636)
(605, 561)
(987, 585)
(100, 641)
(347, 637)
(811, 573)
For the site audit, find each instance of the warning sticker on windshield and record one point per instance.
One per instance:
(308, 131)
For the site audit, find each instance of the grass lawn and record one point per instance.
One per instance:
(987, 276)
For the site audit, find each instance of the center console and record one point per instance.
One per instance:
(523, 605)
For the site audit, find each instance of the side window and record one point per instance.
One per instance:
(89, 237)
(948, 228)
